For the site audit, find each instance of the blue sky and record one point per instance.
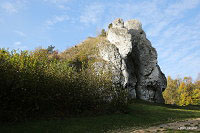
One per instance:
(173, 26)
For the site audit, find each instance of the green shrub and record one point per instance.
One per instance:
(103, 33)
(110, 26)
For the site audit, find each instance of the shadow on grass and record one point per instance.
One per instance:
(141, 114)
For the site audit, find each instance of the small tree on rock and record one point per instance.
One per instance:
(103, 33)
(50, 49)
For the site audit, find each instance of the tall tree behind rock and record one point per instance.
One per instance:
(171, 95)
(182, 91)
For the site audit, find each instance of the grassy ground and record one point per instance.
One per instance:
(141, 114)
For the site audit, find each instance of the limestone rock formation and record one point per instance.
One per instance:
(133, 61)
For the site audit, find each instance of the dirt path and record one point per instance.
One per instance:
(186, 125)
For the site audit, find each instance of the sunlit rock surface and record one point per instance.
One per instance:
(134, 61)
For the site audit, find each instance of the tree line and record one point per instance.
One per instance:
(182, 91)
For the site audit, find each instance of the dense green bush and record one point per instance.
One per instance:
(35, 84)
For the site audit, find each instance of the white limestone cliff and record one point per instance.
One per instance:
(134, 61)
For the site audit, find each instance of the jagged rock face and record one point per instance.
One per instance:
(134, 61)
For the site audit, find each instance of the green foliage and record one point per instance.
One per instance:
(103, 33)
(110, 25)
(182, 92)
(170, 95)
(34, 84)
(50, 49)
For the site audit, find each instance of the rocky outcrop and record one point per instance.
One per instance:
(133, 61)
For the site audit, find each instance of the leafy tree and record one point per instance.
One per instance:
(110, 25)
(103, 33)
(186, 91)
(196, 93)
(182, 92)
(170, 94)
(50, 49)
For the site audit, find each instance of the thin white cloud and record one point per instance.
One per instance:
(92, 13)
(13, 6)
(18, 45)
(56, 19)
(9, 7)
(20, 33)
(181, 6)
(1, 20)
(57, 1)
(62, 6)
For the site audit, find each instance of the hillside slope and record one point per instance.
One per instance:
(130, 57)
